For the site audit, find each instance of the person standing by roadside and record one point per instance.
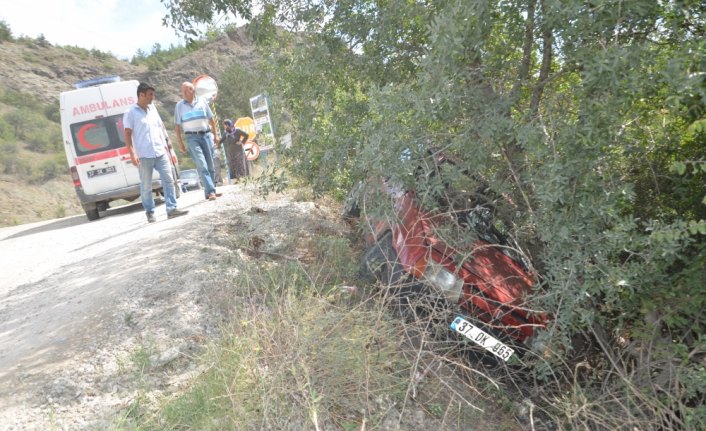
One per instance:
(217, 164)
(145, 138)
(234, 138)
(193, 115)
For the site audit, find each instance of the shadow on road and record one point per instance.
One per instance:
(78, 220)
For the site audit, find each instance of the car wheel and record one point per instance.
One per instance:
(91, 211)
(381, 262)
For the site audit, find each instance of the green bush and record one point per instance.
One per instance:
(14, 164)
(44, 140)
(5, 32)
(81, 53)
(52, 112)
(19, 99)
(47, 170)
(7, 132)
(159, 58)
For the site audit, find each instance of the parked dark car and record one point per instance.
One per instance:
(189, 179)
(484, 281)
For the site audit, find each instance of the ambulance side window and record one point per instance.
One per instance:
(98, 135)
(117, 121)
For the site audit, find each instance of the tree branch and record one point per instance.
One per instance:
(523, 73)
(547, 55)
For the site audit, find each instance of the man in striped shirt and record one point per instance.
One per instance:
(194, 117)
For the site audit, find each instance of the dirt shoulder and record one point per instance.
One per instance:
(141, 295)
(103, 316)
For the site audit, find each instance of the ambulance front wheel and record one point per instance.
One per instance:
(91, 211)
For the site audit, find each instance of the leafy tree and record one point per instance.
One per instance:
(159, 57)
(42, 41)
(236, 85)
(5, 32)
(138, 58)
(586, 114)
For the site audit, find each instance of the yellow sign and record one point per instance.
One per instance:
(247, 125)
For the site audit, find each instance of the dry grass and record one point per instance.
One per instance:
(21, 202)
(306, 346)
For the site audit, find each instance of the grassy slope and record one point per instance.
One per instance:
(22, 203)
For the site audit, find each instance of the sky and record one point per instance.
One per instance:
(118, 26)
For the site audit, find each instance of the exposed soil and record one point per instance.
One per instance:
(84, 305)
(79, 300)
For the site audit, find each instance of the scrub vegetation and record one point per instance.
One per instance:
(586, 117)
(306, 346)
(37, 126)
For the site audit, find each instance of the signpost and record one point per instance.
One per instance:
(260, 107)
(252, 150)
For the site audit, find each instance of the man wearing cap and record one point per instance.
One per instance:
(146, 140)
(194, 117)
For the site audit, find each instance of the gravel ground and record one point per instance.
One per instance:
(83, 306)
(96, 317)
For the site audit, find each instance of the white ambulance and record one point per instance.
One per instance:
(99, 161)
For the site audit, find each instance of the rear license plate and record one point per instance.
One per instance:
(101, 171)
(482, 338)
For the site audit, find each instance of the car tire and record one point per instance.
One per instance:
(381, 262)
(91, 212)
(381, 265)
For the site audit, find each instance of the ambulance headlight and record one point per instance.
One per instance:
(444, 280)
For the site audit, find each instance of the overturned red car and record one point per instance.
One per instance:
(483, 278)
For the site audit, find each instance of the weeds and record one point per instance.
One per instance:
(140, 358)
(300, 352)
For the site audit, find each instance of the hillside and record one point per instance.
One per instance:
(43, 71)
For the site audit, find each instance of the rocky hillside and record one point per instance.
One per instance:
(44, 71)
